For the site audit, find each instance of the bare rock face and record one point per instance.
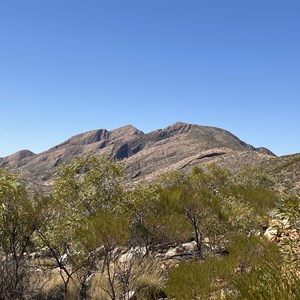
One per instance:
(146, 155)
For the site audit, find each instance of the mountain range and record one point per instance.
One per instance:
(146, 155)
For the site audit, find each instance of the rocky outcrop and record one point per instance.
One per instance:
(146, 155)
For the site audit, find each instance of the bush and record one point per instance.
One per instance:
(198, 279)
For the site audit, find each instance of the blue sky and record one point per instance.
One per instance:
(71, 66)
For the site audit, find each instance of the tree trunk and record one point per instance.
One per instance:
(197, 236)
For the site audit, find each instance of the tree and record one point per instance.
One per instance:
(156, 217)
(83, 189)
(100, 236)
(203, 212)
(214, 178)
(259, 199)
(197, 197)
(57, 233)
(88, 185)
(19, 219)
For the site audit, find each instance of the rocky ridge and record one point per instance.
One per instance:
(146, 155)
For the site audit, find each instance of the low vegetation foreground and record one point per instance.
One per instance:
(204, 234)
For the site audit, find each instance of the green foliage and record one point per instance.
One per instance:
(171, 179)
(189, 281)
(240, 216)
(89, 184)
(141, 204)
(19, 219)
(254, 176)
(249, 251)
(18, 214)
(260, 199)
(262, 273)
(213, 179)
(56, 223)
(268, 281)
(104, 229)
(203, 212)
(198, 280)
(141, 199)
(156, 217)
(289, 210)
(86, 194)
(252, 269)
(288, 218)
(90, 220)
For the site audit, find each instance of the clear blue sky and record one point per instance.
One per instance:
(71, 66)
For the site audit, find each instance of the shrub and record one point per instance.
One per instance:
(198, 279)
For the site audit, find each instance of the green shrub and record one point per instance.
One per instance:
(198, 279)
(267, 281)
(261, 273)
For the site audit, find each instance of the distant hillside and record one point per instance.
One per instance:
(286, 170)
(146, 155)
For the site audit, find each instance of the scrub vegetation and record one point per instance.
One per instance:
(196, 235)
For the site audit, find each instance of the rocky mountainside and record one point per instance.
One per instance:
(146, 155)
(286, 171)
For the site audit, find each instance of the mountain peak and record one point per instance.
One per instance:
(178, 127)
(125, 132)
(177, 146)
(126, 129)
(20, 155)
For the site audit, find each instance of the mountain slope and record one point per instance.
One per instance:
(146, 155)
(286, 171)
